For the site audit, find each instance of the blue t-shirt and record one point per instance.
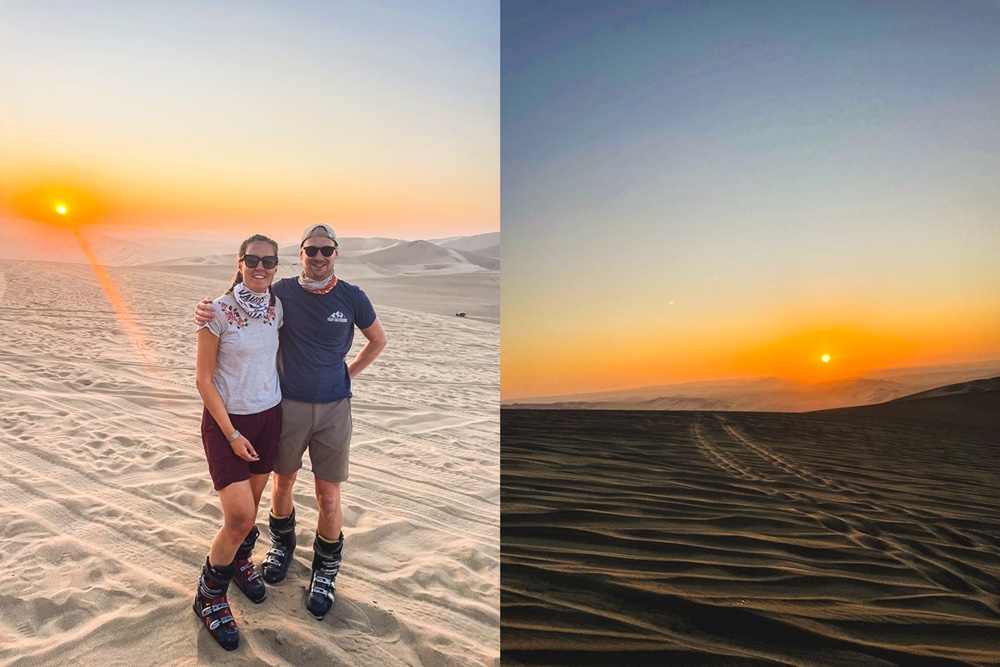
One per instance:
(317, 334)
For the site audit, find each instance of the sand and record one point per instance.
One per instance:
(701, 538)
(108, 510)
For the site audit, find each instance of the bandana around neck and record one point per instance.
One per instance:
(317, 286)
(255, 304)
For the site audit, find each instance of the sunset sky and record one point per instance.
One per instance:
(697, 191)
(381, 118)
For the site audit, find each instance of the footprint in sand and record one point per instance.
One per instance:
(368, 619)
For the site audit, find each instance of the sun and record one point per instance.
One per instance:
(825, 358)
(61, 209)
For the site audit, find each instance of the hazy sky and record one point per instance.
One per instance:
(381, 118)
(708, 190)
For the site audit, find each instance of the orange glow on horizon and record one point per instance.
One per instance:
(181, 199)
(58, 200)
(857, 350)
(646, 359)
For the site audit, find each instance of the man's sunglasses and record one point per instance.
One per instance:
(327, 250)
(252, 261)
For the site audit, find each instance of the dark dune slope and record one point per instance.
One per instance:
(974, 404)
(700, 538)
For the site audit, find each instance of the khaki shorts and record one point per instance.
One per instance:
(322, 428)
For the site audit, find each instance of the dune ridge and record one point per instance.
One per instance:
(769, 394)
(975, 403)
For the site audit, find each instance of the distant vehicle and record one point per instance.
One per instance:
(459, 314)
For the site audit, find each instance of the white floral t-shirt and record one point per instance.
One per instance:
(246, 372)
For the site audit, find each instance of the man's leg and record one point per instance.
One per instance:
(296, 429)
(281, 527)
(331, 514)
(327, 549)
(281, 494)
(329, 453)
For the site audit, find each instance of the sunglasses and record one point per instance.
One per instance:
(252, 261)
(327, 250)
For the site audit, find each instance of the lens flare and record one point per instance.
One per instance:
(126, 319)
(71, 203)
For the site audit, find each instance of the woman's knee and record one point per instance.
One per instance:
(240, 522)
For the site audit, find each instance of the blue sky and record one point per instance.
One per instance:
(750, 169)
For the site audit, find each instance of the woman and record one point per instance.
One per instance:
(241, 423)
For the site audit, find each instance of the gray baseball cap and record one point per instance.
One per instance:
(318, 230)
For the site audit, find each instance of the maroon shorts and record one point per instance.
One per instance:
(262, 429)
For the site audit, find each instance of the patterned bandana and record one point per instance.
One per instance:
(254, 304)
(317, 286)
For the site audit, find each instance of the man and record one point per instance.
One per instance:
(320, 314)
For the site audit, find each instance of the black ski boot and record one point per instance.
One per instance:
(326, 565)
(279, 557)
(212, 608)
(248, 579)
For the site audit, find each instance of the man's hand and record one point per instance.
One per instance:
(204, 312)
(376, 343)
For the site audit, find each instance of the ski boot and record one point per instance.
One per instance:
(279, 557)
(212, 608)
(247, 578)
(326, 565)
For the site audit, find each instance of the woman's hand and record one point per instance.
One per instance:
(243, 449)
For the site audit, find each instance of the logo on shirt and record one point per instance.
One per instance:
(337, 317)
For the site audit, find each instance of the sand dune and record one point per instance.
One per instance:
(991, 385)
(483, 244)
(108, 509)
(352, 245)
(975, 403)
(699, 538)
(395, 254)
(769, 394)
(413, 275)
(19, 240)
(424, 256)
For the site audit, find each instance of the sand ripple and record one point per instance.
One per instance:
(747, 538)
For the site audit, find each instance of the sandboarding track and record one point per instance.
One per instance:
(850, 511)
